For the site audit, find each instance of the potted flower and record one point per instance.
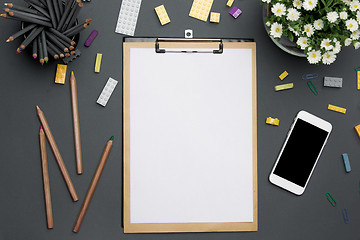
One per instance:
(318, 27)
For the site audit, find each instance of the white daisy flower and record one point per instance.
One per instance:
(302, 42)
(293, 31)
(347, 2)
(266, 1)
(319, 24)
(347, 42)
(310, 4)
(314, 56)
(337, 48)
(297, 4)
(276, 30)
(326, 44)
(352, 25)
(357, 45)
(354, 5)
(343, 15)
(308, 30)
(328, 58)
(355, 35)
(268, 24)
(293, 14)
(278, 9)
(332, 16)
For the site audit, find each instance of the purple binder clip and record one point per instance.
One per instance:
(91, 38)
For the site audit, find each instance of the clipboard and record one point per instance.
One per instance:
(189, 135)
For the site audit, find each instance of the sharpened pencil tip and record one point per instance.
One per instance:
(37, 107)
(112, 138)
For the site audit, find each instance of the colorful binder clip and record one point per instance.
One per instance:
(331, 199)
(309, 76)
(346, 216)
(312, 88)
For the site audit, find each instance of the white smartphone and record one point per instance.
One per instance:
(300, 152)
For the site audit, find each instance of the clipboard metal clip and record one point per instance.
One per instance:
(215, 51)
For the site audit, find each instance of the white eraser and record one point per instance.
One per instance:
(107, 91)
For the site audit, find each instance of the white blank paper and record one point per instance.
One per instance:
(191, 152)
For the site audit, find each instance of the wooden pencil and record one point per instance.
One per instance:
(46, 181)
(22, 17)
(21, 32)
(77, 26)
(21, 8)
(41, 50)
(65, 14)
(62, 36)
(19, 13)
(56, 9)
(76, 31)
(33, 34)
(56, 41)
(44, 46)
(75, 110)
(35, 49)
(93, 185)
(52, 13)
(57, 154)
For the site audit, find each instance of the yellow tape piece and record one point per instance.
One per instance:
(283, 75)
(98, 62)
(337, 109)
(284, 86)
(357, 129)
(60, 73)
(162, 15)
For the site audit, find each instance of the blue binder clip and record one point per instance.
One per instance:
(310, 76)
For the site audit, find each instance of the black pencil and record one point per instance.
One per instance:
(35, 49)
(34, 33)
(52, 53)
(77, 26)
(40, 9)
(56, 9)
(38, 3)
(61, 7)
(57, 50)
(41, 51)
(21, 32)
(73, 18)
(57, 42)
(68, 18)
(20, 13)
(43, 42)
(21, 8)
(65, 14)
(76, 31)
(70, 47)
(30, 19)
(52, 13)
(62, 36)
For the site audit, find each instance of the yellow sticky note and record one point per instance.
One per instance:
(215, 17)
(284, 86)
(283, 75)
(162, 15)
(200, 9)
(60, 73)
(98, 62)
(357, 129)
(229, 3)
(272, 121)
(337, 109)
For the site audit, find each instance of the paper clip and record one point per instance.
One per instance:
(331, 199)
(312, 88)
(309, 76)
(345, 215)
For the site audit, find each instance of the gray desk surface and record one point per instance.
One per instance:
(25, 84)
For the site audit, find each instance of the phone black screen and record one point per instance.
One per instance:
(301, 152)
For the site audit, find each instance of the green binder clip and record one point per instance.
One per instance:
(331, 199)
(357, 69)
(312, 88)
